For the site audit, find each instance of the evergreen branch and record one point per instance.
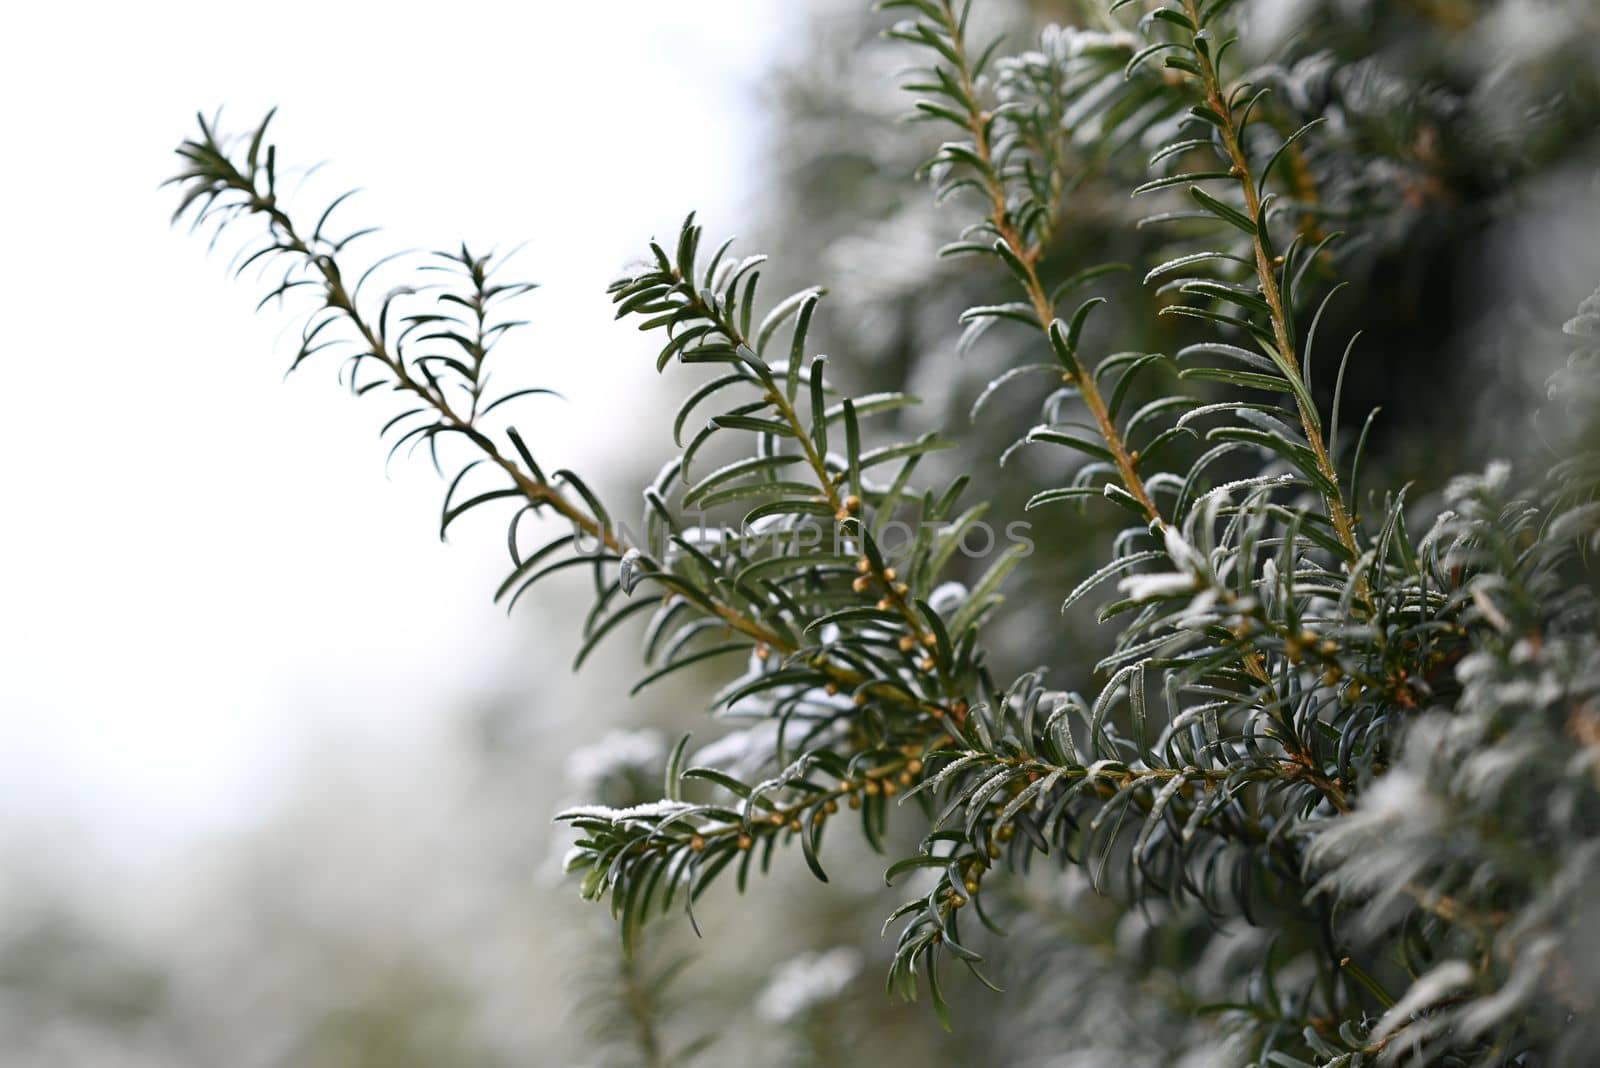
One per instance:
(944, 30)
(218, 187)
(1372, 746)
(217, 184)
(1220, 110)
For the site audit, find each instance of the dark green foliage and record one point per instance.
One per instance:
(1365, 728)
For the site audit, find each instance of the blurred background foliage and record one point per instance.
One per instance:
(376, 923)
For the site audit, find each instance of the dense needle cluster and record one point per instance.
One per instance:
(1371, 732)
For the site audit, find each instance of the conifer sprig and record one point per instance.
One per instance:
(1017, 231)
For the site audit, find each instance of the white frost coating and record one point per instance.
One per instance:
(1476, 667)
(1058, 46)
(628, 571)
(1384, 844)
(804, 982)
(1226, 490)
(1145, 587)
(1080, 41)
(1399, 796)
(617, 752)
(1199, 611)
(1094, 770)
(1180, 551)
(654, 810)
(1528, 975)
(947, 597)
(1526, 31)
(1429, 989)
(1492, 482)
(698, 536)
(1581, 520)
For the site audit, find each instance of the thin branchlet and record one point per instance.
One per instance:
(979, 123)
(1266, 271)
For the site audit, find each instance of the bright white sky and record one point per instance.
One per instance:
(200, 565)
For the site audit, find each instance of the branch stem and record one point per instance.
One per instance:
(1272, 293)
(1000, 218)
